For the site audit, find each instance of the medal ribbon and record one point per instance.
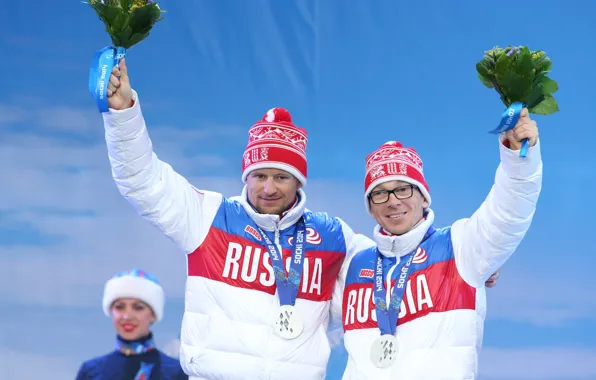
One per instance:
(508, 120)
(387, 315)
(102, 64)
(287, 284)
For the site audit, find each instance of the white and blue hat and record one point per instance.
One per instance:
(135, 283)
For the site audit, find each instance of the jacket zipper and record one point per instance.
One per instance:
(390, 274)
(277, 234)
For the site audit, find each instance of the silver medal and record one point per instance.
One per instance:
(287, 323)
(383, 351)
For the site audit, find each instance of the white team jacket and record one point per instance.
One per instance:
(441, 318)
(230, 290)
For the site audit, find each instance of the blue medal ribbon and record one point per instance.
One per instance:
(508, 120)
(287, 285)
(102, 64)
(387, 315)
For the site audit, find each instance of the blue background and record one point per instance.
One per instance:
(354, 76)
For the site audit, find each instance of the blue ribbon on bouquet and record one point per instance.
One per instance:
(102, 64)
(508, 120)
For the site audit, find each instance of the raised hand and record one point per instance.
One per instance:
(492, 280)
(525, 128)
(119, 90)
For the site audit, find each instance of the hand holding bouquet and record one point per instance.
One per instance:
(127, 22)
(520, 78)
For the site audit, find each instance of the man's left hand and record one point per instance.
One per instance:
(525, 128)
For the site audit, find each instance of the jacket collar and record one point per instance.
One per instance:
(268, 222)
(400, 245)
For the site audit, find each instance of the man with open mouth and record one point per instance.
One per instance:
(414, 304)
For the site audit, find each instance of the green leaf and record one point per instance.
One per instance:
(523, 63)
(549, 86)
(538, 79)
(124, 36)
(106, 13)
(135, 39)
(504, 65)
(536, 102)
(120, 22)
(126, 4)
(545, 107)
(535, 96)
(543, 65)
(485, 81)
(143, 17)
(514, 86)
(103, 19)
(494, 53)
(541, 87)
(484, 70)
(146, 30)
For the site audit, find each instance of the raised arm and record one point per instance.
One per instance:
(485, 241)
(156, 191)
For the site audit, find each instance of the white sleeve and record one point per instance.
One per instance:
(159, 194)
(354, 243)
(484, 242)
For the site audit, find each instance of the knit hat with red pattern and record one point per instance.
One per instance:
(275, 143)
(393, 162)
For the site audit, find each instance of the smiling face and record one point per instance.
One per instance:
(397, 216)
(132, 318)
(272, 191)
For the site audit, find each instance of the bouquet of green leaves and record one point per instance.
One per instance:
(128, 22)
(520, 78)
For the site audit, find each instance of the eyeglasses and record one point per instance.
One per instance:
(400, 192)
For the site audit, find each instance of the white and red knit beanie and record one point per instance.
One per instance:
(393, 162)
(276, 143)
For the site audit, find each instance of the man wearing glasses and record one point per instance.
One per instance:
(414, 305)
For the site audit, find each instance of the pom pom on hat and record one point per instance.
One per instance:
(275, 142)
(137, 284)
(278, 115)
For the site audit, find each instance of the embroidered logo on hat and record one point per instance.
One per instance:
(276, 143)
(392, 158)
(393, 162)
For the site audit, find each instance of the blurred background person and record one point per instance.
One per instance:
(135, 301)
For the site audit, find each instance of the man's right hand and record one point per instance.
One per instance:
(119, 90)
(492, 280)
